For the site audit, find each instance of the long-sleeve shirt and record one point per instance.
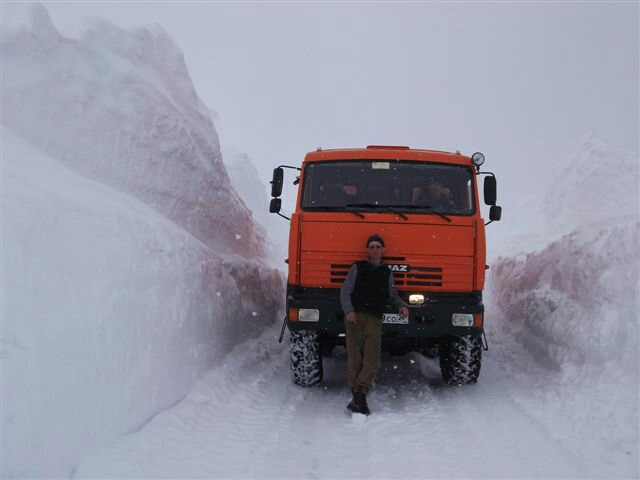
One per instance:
(350, 283)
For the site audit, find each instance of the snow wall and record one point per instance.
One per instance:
(568, 297)
(124, 248)
(119, 107)
(246, 181)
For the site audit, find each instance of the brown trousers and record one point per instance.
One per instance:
(363, 350)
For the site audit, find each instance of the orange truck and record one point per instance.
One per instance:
(425, 204)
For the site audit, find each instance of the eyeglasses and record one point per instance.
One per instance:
(374, 246)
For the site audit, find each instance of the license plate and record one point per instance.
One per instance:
(394, 319)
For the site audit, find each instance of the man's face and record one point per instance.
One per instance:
(375, 251)
(435, 190)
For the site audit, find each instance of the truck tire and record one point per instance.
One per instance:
(432, 351)
(305, 355)
(460, 359)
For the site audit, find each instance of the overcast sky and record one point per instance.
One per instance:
(520, 82)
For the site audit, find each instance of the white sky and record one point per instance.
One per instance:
(520, 82)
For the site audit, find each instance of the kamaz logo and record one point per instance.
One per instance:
(398, 268)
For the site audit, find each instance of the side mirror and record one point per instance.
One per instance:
(276, 183)
(495, 213)
(276, 204)
(490, 190)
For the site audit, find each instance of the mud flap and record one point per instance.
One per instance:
(485, 344)
(284, 325)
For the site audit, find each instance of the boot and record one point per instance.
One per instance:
(361, 399)
(359, 403)
(364, 406)
(353, 404)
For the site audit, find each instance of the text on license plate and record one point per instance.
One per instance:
(394, 318)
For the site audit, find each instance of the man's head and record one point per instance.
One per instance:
(375, 248)
(434, 189)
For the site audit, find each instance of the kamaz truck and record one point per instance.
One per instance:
(425, 204)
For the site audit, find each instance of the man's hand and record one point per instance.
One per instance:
(404, 312)
(351, 317)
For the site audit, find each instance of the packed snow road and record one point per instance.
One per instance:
(245, 419)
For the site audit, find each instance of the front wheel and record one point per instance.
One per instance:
(460, 359)
(305, 357)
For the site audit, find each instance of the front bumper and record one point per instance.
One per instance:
(432, 319)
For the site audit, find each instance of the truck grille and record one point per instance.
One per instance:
(416, 276)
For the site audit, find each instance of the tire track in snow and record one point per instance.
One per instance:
(521, 445)
(215, 431)
(404, 428)
(245, 419)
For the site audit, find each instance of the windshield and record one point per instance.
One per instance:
(415, 187)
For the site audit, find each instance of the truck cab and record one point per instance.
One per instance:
(426, 206)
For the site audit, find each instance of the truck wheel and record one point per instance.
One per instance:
(432, 351)
(460, 359)
(305, 356)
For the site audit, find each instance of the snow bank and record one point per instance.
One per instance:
(246, 181)
(119, 107)
(573, 304)
(129, 264)
(109, 312)
(575, 301)
(596, 183)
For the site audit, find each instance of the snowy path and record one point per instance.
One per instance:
(246, 420)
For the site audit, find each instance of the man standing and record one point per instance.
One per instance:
(368, 286)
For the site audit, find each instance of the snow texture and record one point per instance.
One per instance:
(124, 248)
(122, 282)
(110, 312)
(119, 107)
(597, 183)
(572, 306)
(246, 181)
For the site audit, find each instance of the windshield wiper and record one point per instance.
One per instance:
(334, 209)
(365, 205)
(354, 212)
(379, 207)
(398, 212)
(421, 207)
(394, 208)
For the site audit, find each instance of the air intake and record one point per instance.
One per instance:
(415, 277)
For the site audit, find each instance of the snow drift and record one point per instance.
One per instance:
(109, 314)
(245, 180)
(573, 304)
(597, 183)
(124, 247)
(119, 107)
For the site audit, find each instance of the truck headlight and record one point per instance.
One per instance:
(309, 315)
(462, 320)
(416, 299)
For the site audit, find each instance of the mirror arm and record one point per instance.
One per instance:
(284, 216)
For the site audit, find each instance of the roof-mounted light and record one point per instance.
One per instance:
(477, 159)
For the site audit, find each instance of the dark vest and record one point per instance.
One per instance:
(371, 291)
